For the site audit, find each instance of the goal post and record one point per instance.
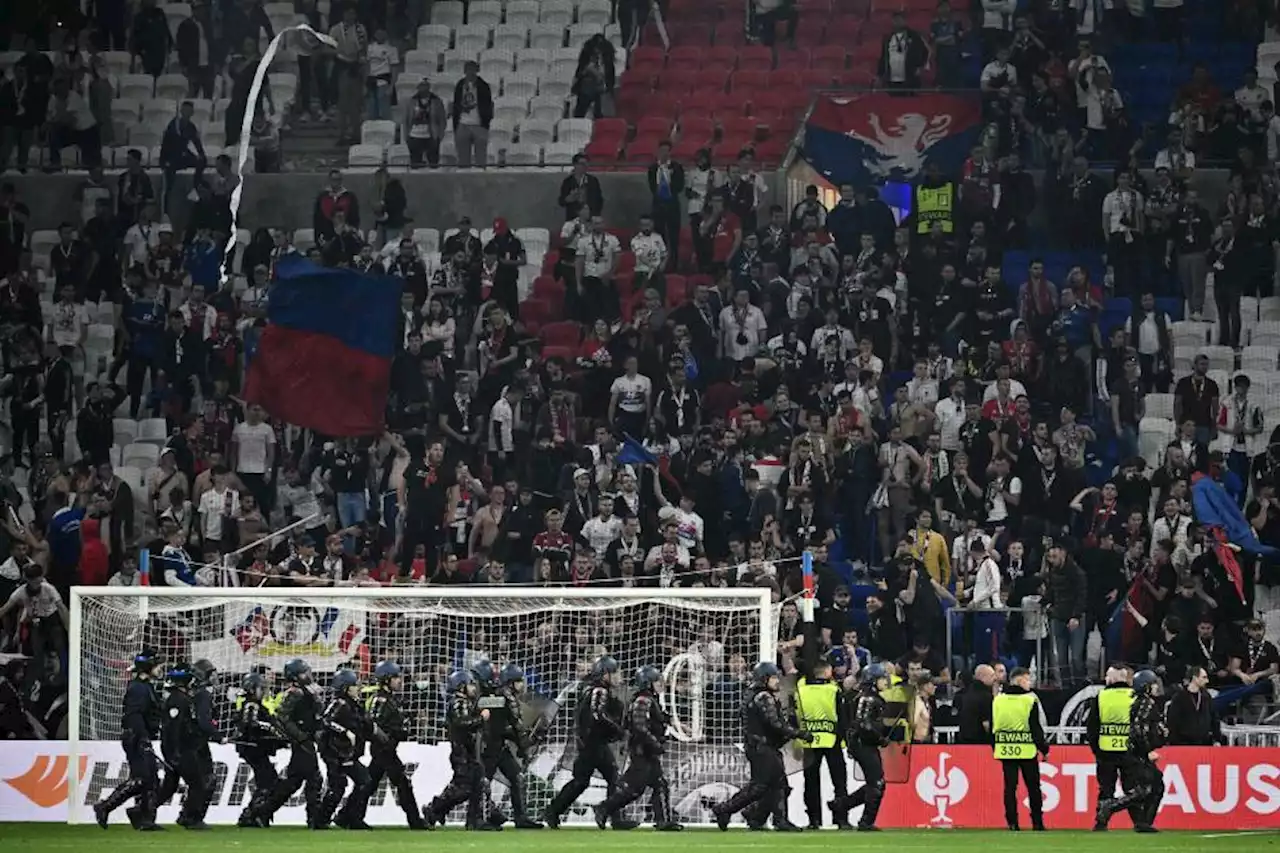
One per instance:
(705, 640)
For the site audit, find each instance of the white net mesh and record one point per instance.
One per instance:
(706, 644)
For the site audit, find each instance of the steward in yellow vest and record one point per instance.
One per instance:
(1018, 736)
(933, 200)
(1107, 728)
(820, 713)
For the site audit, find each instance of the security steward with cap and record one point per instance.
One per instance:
(1107, 727)
(1018, 736)
(819, 711)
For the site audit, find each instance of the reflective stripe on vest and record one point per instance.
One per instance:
(934, 204)
(816, 710)
(897, 700)
(1113, 719)
(271, 704)
(1011, 726)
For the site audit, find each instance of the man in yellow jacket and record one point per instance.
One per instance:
(1018, 735)
(930, 547)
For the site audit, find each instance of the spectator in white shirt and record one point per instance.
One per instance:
(602, 529)
(1251, 95)
(253, 456)
(630, 400)
(1176, 157)
(1082, 68)
(380, 56)
(986, 582)
(921, 390)
(217, 506)
(597, 261)
(502, 422)
(71, 122)
(847, 344)
(997, 25)
(743, 327)
(144, 235)
(198, 314)
(950, 414)
(650, 251)
(999, 77)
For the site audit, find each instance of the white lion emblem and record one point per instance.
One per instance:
(900, 147)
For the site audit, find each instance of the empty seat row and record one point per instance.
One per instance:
(493, 12)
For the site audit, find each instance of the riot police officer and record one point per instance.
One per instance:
(506, 726)
(343, 733)
(867, 733)
(297, 717)
(597, 726)
(464, 719)
(646, 725)
(257, 739)
(1148, 731)
(194, 684)
(1107, 728)
(765, 730)
(385, 715)
(139, 726)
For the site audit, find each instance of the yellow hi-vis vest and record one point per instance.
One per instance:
(816, 710)
(935, 204)
(1011, 725)
(272, 703)
(897, 703)
(1113, 719)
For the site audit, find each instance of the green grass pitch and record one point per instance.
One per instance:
(36, 838)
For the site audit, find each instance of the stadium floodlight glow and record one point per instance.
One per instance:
(705, 640)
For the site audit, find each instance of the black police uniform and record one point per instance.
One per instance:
(257, 739)
(646, 726)
(505, 725)
(866, 735)
(597, 725)
(139, 726)
(467, 785)
(296, 718)
(1148, 731)
(181, 739)
(1111, 766)
(385, 713)
(343, 734)
(765, 730)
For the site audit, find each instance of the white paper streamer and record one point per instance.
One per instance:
(246, 125)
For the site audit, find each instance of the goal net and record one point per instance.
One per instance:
(705, 640)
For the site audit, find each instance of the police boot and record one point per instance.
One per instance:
(133, 813)
(147, 814)
(115, 800)
(786, 826)
(664, 817)
(600, 815)
(526, 822)
(722, 816)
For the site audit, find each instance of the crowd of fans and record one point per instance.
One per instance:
(941, 438)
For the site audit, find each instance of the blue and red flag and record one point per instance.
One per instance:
(878, 137)
(324, 359)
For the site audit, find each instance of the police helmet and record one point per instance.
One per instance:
(483, 671)
(252, 684)
(460, 680)
(604, 667)
(647, 676)
(296, 669)
(387, 670)
(1145, 681)
(344, 679)
(147, 660)
(204, 671)
(179, 674)
(763, 671)
(511, 673)
(874, 673)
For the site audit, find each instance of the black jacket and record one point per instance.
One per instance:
(975, 709)
(187, 41)
(917, 57)
(677, 182)
(591, 195)
(1192, 720)
(179, 137)
(1067, 589)
(484, 105)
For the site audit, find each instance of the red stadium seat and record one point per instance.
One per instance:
(564, 353)
(550, 259)
(562, 334)
(686, 151)
(685, 58)
(755, 58)
(548, 290)
(677, 290)
(627, 261)
(702, 101)
(639, 78)
(748, 82)
(653, 126)
(787, 80)
(817, 79)
(609, 128)
(604, 150)
(696, 127)
(715, 79)
(642, 149)
(738, 127)
(625, 284)
(535, 314)
(647, 57)
(775, 100)
(793, 60)
(810, 30)
(720, 56)
(843, 31)
(729, 149)
(828, 56)
(857, 78)
(698, 35)
(865, 55)
(676, 84)
(730, 34)
(766, 120)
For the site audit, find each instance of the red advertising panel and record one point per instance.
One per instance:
(1223, 788)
